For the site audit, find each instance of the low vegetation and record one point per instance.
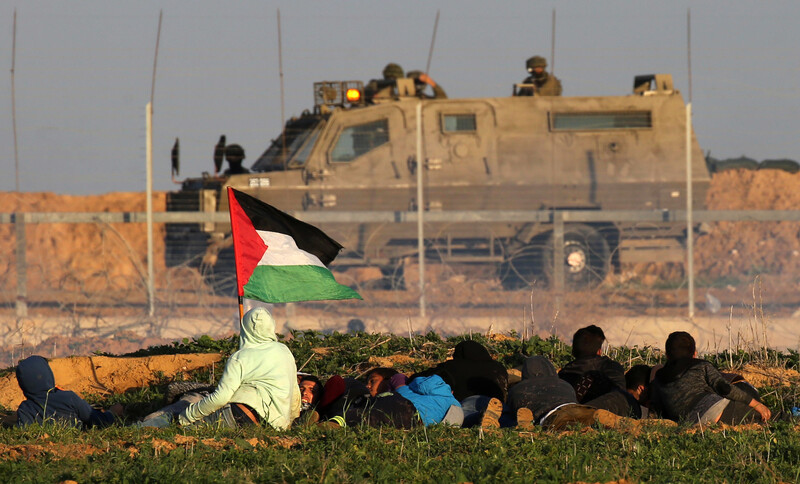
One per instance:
(436, 454)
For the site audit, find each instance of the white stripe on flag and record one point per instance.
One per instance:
(283, 251)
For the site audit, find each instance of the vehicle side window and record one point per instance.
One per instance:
(458, 123)
(600, 121)
(360, 139)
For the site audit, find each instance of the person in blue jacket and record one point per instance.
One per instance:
(45, 403)
(432, 398)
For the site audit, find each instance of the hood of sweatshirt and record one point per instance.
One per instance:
(430, 385)
(538, 367)
(35, 378)
(258, 327)
(471, 351)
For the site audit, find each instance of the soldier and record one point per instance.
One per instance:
(235, 155)
(384, 88)
(544, 84)
(422, 79)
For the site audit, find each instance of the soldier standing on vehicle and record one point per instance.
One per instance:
(235, 155)
(541, 83)
(384, 88)
(421, 80)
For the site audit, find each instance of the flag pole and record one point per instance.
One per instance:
(236, 269)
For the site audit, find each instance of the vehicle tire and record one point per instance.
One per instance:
(522, 269)
(586, 257)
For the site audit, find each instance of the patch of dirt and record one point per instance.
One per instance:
(391, 361)
(103, 374)
(760, 376)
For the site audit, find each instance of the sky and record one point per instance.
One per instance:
(83, 71)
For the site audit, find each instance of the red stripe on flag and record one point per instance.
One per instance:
(248, 246)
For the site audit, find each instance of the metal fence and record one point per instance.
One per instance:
(745, 304)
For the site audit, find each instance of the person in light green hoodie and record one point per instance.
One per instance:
(259, 384)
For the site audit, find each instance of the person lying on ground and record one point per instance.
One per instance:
(552, 401)
(349, 403)
(598, 380)
(44, 402)
(259, 384)
(688, 389)
(310, 394)
(432, 397)
(475, 378)
(637, 384)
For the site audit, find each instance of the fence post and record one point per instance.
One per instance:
(22, 268)
(558, 250)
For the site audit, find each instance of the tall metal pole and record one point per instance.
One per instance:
(149, 156)
(689, 174)
(420, 211)
(553, 45)
(280, 74)
(14, 101)
(151, 291)
(689, 214)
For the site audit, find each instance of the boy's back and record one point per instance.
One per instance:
(44, 402)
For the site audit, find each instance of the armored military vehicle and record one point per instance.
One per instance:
(518, 153)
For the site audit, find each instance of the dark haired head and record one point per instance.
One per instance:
(302, 378)
(680, 344)
(587, 341)
(637, 375)
(385, 373)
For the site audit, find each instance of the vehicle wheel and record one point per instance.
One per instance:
(586, 257)
(521, 270)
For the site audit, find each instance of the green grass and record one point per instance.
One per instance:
(436, 454)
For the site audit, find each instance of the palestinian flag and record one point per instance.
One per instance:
(280, 259)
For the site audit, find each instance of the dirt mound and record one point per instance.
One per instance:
(85, 257)
(104, 374)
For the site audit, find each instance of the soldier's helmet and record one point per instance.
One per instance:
(234, 153)
(392, 71)
(414, 75)
(535, 61)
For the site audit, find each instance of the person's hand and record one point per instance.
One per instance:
(117, 409)
(426, 79)
(761, 409)
(398, 380)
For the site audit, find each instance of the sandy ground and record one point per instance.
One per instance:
(104, 375)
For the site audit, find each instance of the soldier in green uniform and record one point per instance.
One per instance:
(384, 88)
(542, 83)
(421, 80)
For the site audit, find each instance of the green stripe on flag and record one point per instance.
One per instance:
(281, 284)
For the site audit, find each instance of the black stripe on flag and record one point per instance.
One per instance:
(306, 236)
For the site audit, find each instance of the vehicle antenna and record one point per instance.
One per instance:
(433, 40)
(280, 74)
(13, 100)
(689, 48)
(553, 44)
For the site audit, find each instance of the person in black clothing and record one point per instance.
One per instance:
(552, 401)
(235, 156)
(688, 389)
(475, 378)
(598, 380)
(637, 384)
(46, 403)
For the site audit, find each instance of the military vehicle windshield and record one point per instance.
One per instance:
(301, 134)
